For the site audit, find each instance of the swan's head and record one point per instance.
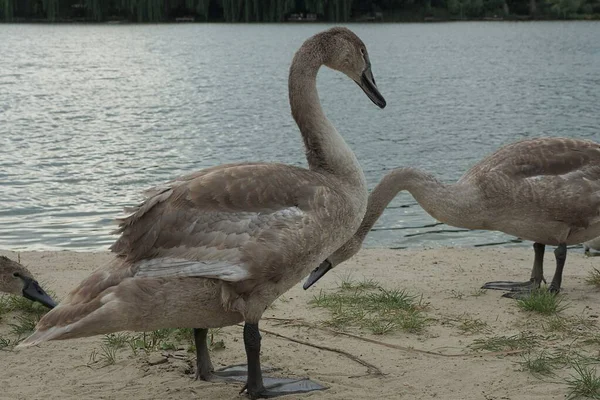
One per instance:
(16, 279)
(345, 52)
(350, 248)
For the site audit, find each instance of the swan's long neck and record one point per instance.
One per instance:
(451, 204)
(326, 150)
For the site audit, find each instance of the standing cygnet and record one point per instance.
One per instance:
(545, 190)
(218, 246)
(16, 279)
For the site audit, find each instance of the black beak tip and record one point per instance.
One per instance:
(308, 283)
(34, 292)
(50, 303)
(317, 274)
(367, 84)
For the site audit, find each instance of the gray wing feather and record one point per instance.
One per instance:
(172, 267)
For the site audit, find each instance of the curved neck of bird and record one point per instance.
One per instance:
(450, 204)
(326, 150)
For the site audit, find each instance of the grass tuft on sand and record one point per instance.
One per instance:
(367, 305)
(543, 302)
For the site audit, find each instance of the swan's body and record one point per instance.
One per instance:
(17, 280)
(593, 244)
(216, 247)
(544, 190)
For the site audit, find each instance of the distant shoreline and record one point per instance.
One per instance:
(520, 18)
(298, 11)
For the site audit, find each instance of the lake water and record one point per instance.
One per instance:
(90, 115)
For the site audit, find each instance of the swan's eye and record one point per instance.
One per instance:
(16, 274)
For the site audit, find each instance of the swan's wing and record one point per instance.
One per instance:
(220, 222)
(562, 157)
(559, 177)
(230, 222)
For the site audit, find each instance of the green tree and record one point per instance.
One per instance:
(6, 10)
(564, 8)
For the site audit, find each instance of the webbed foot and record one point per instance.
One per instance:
(274, 387)
(527, 286)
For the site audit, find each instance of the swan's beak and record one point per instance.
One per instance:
(317, 274)
(34, 292)
(367, 84)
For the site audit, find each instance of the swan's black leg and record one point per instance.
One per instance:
(537, 272)
(561, 256)
(204, 368)
(274, 387)
(518, 289)
(254, 384)
(252, 373)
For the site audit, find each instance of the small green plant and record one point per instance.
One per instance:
(143, 342)
(184, 335)
(584, 383)
(213, 343)
(521, 341)
(22, 305)
(472, 326)
(25, 314)
(572, 356)
(25, 324)
(117, 340)
(4, 305)
(413, 322)
(382, 327)
(160, 339)
(167, 345)
(133, 346)
(154, 340)
(107, 355)
(593, 278)
(556, 324)
(541, 364)
(581, 323)
(367, 305)
(346, 281)
(577, 326)
(543, 302)
(366, 284)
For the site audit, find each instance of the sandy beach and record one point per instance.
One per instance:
(437, 363)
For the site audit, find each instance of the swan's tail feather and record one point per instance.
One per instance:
(54, 333)
(68, 321)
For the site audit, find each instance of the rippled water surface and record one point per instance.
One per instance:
(90, 115)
